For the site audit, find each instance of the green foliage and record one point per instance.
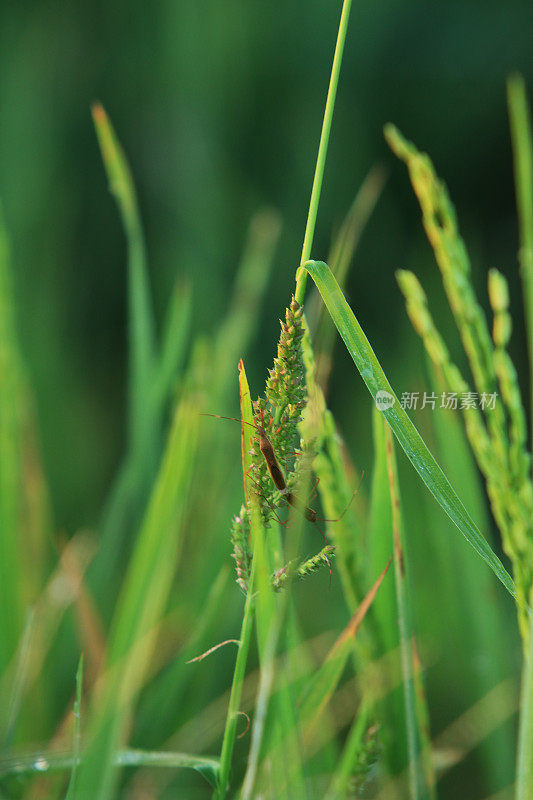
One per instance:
(322, 720)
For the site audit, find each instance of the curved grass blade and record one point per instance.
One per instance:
(412, 443)
(142, 328)
(39, 763)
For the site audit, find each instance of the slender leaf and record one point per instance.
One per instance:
(522, 138)
(412, 443)
(71, 791)
(347, 765)
(421, 776)
(39, 762)
(142, 329)
(175, 338)
(524, 766)
(11, 486)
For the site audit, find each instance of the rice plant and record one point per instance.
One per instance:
(180, 650)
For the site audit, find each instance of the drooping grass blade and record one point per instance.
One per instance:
(412, 443)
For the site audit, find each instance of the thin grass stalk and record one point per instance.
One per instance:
(142, 328)
(301, 278)
(271, 618)
(344, 772)
(261, 708)
(257, 537)
(421, 781)
(228, 741)
(341, 257)
(524, 766)
(12, 564)
(523, 168)
(71, 791)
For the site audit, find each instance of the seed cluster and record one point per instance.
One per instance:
(240, 538)
(278, 414)
(281, 411)
(280, 577)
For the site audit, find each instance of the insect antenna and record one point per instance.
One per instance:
(317, 519)
(233, 419)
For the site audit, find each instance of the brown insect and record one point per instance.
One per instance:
(278, 478)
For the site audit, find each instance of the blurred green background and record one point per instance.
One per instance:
(219, 107)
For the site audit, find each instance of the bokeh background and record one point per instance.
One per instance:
(219, 106)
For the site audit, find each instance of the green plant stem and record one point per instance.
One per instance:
(257, 535)
(71, 791)
(523, 169)
(301, 277)
(524, 767)
(228, 741)
(347, 763)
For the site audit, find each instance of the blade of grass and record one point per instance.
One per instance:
(322, 150)
(39, 762)
(347, 765)
(524, 765)
(522, 140)
(143, 598)
(414, 447)
(126, 502)
(174, 341)
(142, 335)
(11, 404)
(13, 682)
(421, 776)
(249, 286)
(341, 258)
(386, 639)
(71, 790)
